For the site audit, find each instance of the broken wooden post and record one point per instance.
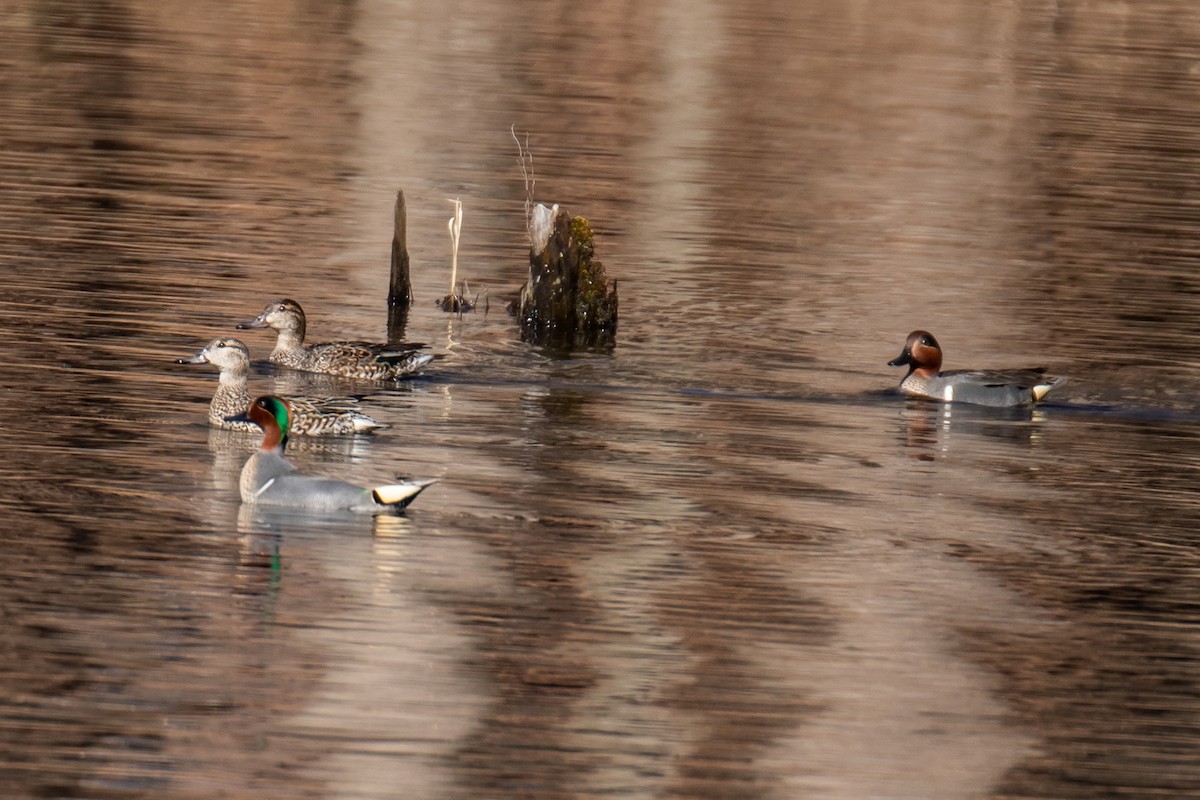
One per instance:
(400, 286)
(568, 301)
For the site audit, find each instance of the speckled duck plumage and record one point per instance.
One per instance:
(269, 479)
(310, 416)
(363, 360)
(1002, 388)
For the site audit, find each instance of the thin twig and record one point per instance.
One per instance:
(526, 157)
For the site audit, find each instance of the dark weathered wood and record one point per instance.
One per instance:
(400, 285)
(568, 301)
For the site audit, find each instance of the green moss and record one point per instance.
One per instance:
(581, 232)
(592, 284)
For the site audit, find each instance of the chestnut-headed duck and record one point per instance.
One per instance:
(923, 356)
(269, 479)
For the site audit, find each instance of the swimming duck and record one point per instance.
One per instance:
(269, 479)
(923, 356)
(310, 417)
(348, 359)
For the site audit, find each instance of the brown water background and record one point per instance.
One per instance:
(722, 560)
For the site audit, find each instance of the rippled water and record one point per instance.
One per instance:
(723, 560)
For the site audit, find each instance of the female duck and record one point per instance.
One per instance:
(269, 479)
(923, 356)
(348, 359)
(310, 417)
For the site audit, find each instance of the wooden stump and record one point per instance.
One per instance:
(568, 301)
(400, 285)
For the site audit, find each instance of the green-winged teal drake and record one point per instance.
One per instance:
(349, 359)
(269, 479)
(923, 357)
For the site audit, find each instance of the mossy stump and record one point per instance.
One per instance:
(568, 301)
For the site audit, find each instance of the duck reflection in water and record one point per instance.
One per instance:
(932, 429)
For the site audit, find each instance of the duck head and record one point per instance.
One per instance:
(225, 354)
(273, 415)
(283, 315)
(922, 354)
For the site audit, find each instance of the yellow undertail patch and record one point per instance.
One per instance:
(396, 493)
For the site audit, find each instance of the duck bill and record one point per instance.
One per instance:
(242, 417)
(257, 322)
(904, 359)
(199, 358)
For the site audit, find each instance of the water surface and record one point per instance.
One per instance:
(722, 560)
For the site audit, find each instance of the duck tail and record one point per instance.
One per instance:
(365, 424)
(405, 362)
(399, 495)
(1043, 389)
(417, 360)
